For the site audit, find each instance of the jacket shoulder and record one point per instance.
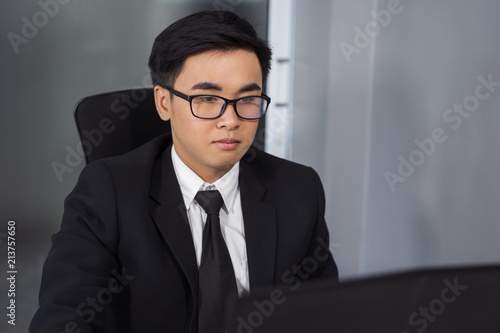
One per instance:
(140, 157)
(272, 168)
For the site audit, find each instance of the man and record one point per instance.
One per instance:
(139, 249)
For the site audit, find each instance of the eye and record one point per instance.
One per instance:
(250, 100)
(207, 99)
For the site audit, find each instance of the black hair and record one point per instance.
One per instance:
(201, 32)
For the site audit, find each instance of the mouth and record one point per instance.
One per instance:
(227, 143)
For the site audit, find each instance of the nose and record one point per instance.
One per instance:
(229, 119)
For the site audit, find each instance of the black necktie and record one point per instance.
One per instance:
(217, 285)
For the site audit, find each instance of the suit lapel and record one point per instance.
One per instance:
(171, 219)
(260, 229)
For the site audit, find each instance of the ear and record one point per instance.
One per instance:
(162, 101)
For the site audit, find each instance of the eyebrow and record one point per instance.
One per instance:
(206, 86)
(213, 86)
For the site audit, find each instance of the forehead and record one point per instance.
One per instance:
(224, 68)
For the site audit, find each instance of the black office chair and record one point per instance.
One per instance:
(114, 123)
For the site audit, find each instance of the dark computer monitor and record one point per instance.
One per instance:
(463, 299)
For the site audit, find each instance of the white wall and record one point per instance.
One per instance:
(355, 113)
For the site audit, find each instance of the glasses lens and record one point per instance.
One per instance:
(207, 106)
(252, 107)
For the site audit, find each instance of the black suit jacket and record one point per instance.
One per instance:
(124, 259)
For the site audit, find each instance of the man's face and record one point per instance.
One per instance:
(210, 147)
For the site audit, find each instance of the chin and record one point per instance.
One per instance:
(225, 164)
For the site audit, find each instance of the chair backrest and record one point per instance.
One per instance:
(114, 123)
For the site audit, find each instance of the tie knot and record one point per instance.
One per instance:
(211, 201)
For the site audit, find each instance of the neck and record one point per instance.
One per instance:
(208, 174)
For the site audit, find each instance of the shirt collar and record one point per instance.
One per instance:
(190, 183)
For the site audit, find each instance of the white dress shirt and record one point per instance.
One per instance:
(231, 215)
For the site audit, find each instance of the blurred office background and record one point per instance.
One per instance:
(366, 92)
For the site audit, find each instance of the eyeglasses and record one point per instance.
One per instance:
(212, 106)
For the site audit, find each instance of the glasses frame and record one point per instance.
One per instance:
(226, 101)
